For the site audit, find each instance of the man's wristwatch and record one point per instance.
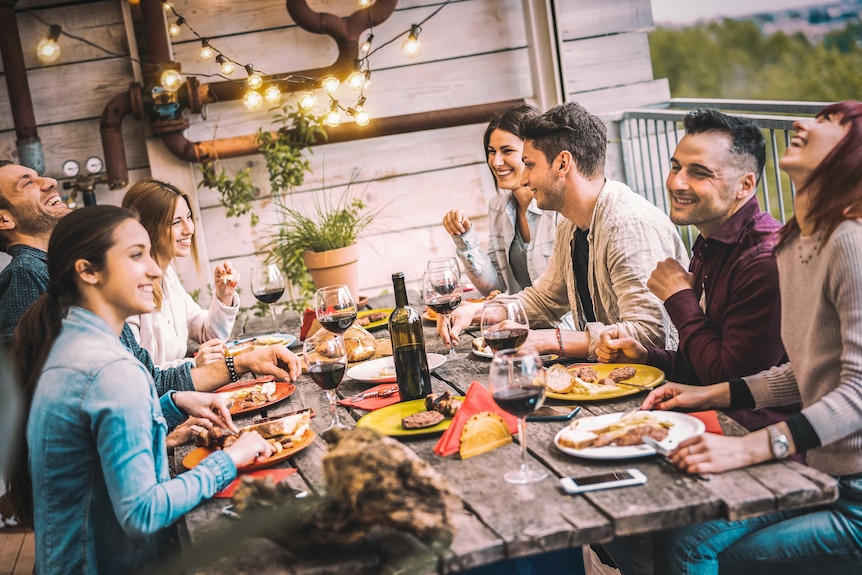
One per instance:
(778, 442)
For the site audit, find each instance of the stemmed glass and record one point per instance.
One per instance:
(442, 292)
(267, 285)
(326, 360)
(517, 384)
(504, 323)
(447, 262)
(336, 308)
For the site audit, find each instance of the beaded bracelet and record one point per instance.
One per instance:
(560, 341)
(228, 361)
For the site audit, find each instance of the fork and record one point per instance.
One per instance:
(386, 392)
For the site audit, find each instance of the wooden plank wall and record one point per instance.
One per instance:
(473, 52)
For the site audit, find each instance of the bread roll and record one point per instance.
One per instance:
(359, 344)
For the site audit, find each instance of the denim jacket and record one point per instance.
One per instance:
(490, 271)
(97, 429)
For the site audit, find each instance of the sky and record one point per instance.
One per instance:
(690, 11)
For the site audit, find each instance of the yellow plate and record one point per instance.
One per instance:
(646, 376)
(387, 420)
(375, 324)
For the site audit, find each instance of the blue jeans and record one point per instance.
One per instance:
(826, 540)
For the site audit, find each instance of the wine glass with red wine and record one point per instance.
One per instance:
(326, 361)
(267, 285)
(442, 291)
(504, 323)
(336, 308)
(517, 381)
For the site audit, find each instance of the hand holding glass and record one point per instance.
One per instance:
(442, 292)
(504, 323)
(517, 385)
(336, 308)
(326, 361)
(267, 285)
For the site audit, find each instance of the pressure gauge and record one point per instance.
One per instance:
(71, 168)
(94, 164)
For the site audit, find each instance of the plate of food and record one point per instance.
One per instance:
(382, 370)
(597, 381)
(620, 435)
(239, 346)
(289, 435)
(374, 318)
(482, 350)
(415, 417)
(242, 397)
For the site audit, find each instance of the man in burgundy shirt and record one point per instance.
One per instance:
(727, 307)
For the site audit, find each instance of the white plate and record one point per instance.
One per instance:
(488, 353)
(383, 370)
(290, 339)
(684, 426)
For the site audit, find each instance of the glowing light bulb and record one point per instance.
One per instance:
(252, 100)
(167, 5)
(171, 80)
(308, 101)
(365, 3)
(227, 67)
(365, 47)
(206, 53)
(361, 117)
(333, 117)
(48, 50)
(331, 84)
(356, 80)
(272, 94)
(174, 28)
(411, 46)
(254, 81)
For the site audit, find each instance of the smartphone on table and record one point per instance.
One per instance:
(604, 480)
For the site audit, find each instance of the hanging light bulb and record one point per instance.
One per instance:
(167, 5)
(47, 50)
(227, 67)
(333, 117)
(171, 80)
(365, 3)
(308, 101)
(174, 28)
(365, 47)
(360, 116)
(254, 80)
(411, 46)
(331, 84)
(252, 99)
(356, 80)
(272, 94)
(206, 52)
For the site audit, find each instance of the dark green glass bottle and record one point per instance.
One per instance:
(408, 345)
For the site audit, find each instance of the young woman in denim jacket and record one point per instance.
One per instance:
(820, 278)
(97, 488)
(521, 235)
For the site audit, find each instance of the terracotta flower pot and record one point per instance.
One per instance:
(339, 266)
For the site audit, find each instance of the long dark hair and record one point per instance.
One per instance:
(835, 185)
(85, 234)
(509, 120)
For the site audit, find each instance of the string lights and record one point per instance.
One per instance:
(411, 46)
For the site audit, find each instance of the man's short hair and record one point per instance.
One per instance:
(747, 142)
(6, 163)
(570, 127)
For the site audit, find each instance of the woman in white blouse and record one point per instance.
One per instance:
(166, 213)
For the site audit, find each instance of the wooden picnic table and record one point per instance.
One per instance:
(503, 521)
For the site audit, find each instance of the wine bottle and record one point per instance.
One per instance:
(408, 345)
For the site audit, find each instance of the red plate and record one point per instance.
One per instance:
(201, 453)
(283, 390)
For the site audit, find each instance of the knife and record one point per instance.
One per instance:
(370, 394)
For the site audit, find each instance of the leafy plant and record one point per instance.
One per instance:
(284, 150)
(236, 193)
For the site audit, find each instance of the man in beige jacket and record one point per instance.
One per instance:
(605, 248)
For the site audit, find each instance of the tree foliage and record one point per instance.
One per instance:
(734, 59)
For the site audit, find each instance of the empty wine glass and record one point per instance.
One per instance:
(447, 262)
(442, 292)
(517, 385)
(504, 323)
(336, 308)
(267, 285)
(326, 361)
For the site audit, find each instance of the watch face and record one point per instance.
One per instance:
(94, 164)
(71, 168)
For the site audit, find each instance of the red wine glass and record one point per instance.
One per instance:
(326, 361)
(267, 285)
(504, 323)
(442, 291)
(336, 308)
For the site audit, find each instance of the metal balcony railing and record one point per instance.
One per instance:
(650, 135)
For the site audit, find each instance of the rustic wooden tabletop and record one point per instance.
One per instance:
(504, 521)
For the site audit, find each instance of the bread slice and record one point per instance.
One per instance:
(558, 379)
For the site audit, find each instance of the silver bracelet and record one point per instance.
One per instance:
(228, 361)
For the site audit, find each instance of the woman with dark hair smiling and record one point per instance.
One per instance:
(819, 254)
(97, 487)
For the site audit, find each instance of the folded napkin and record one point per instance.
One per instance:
(310, 325)
(710, 419)
(478, 399)
(372, 403)
(278, 475)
